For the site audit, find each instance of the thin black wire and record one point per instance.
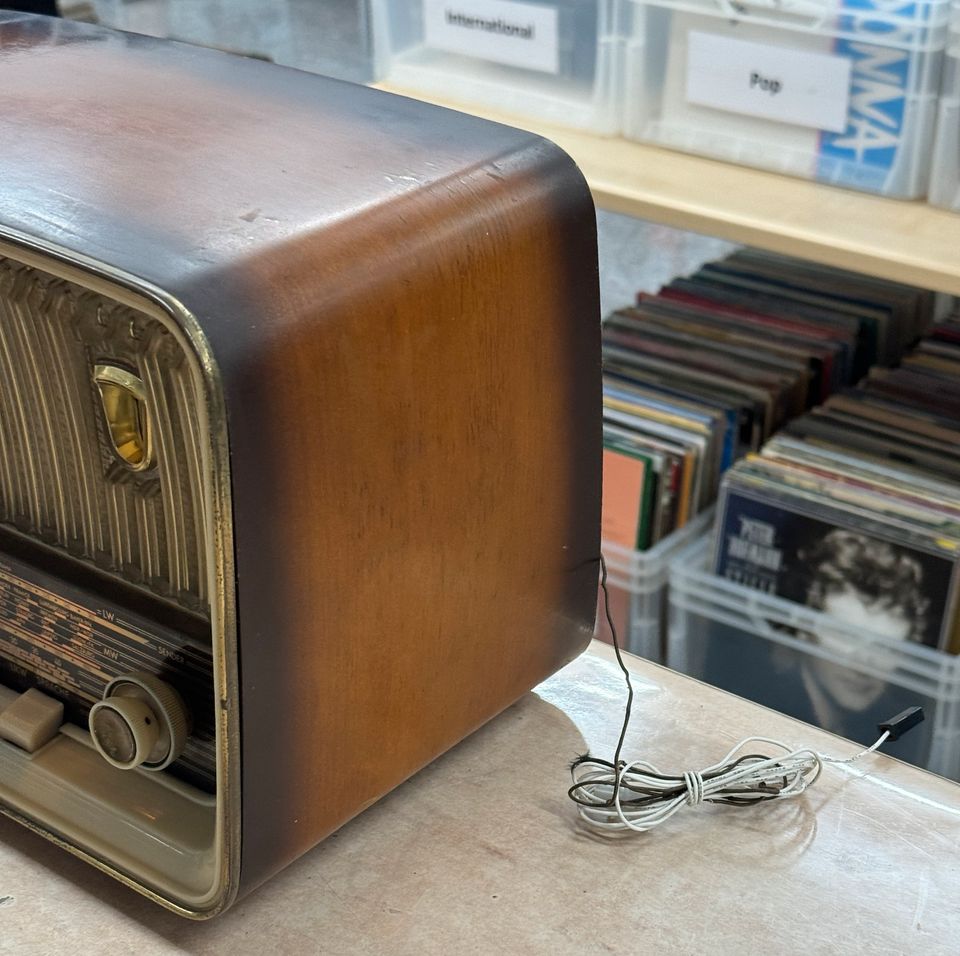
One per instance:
(617, 766)
(626, 674)
(731, 796)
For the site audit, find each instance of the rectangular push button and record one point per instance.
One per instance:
(32, 720)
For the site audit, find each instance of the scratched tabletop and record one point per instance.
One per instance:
(482, 853)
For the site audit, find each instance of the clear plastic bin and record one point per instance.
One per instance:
(811, 666)
(556, 60)
(840, 91)
(637, 582)
(945, 169)
(329, 38)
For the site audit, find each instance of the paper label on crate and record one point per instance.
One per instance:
(515, 34)
(772, 82)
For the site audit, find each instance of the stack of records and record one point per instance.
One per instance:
(710, 367)
(875, 473)
(853, 510)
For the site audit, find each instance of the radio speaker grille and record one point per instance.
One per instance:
(62, 480)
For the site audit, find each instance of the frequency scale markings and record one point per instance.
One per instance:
(75, 649)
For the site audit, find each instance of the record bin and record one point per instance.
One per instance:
(637, 583)
(555, 60)
(811, 666)
(840, 91)
(945, 172)
(333, 39)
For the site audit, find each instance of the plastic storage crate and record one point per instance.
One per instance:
(556, 60)
(841, 91)
(637, 582)
(945, 171)
(307, 34)
(811, 666)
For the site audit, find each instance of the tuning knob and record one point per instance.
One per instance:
(140, 722)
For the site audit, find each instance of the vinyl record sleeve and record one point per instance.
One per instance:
(749, 405)
(783, 547)
(721, 326)
(668, 462)
(782, 314)
(871, 322)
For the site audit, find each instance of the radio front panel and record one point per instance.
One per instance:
(108, 724)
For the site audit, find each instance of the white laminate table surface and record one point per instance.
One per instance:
(482, 853)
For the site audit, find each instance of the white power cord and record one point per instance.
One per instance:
(620, 796)
(641, 797)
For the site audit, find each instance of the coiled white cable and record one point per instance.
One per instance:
(640, 797)
(617, 795)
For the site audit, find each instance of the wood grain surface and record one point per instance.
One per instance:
(424, 448)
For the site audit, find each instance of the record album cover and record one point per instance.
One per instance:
(897, 589)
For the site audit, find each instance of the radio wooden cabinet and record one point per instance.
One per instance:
(299, 447)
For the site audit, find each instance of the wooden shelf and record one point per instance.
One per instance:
(907, 241)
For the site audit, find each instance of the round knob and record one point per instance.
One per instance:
(125, 730)
(141, 722)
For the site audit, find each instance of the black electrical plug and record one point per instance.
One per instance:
(904, 721)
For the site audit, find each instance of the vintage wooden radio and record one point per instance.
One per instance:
(299, 447)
